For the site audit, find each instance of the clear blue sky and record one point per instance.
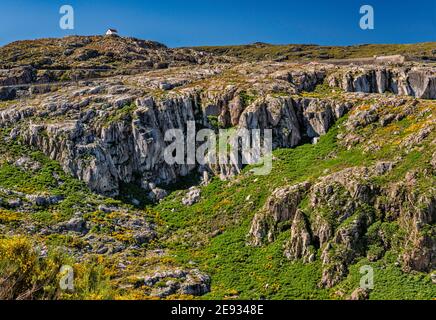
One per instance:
(218, 22)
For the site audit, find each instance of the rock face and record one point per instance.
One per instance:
(420, 248)
(17, 76)
(341, 209)
(105, 155)
(280, 207)
(417, 82)
(293, 119)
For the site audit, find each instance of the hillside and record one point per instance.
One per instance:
(84, 181)
(95, 52)
(83, 57)
(297, 52)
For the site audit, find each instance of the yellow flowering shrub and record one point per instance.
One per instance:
(26, 273)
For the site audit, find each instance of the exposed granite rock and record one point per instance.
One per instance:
(74, 224)
(419, 252)
(40, 200)
(417, 82)
(13, 114)
(157, 194)
(129, 147)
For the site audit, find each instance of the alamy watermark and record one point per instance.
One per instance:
(66, 282)
(66, 21)
(235, 147)
(367, 279)
(367, 20)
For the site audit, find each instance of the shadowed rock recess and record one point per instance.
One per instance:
(82, 172)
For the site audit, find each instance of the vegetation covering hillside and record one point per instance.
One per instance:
(296, 52)
(82, 184)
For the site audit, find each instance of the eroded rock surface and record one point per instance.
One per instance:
(417, 82)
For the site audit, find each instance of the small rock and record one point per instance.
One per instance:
(193, 196)
(359, 294)
(14, 203)
(106, 209)
(144, 237)
(382, 167)
(102, 250)
(74, 224)
(165, 86)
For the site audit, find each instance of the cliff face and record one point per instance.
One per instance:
(105, 154)
(416, 82)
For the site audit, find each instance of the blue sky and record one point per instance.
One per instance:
(219, 22)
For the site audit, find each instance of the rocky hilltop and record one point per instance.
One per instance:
(82, 57)
(82, 171)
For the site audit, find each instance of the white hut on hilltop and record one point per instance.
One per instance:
(111, 32)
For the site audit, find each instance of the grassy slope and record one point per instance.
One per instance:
(295, 52)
